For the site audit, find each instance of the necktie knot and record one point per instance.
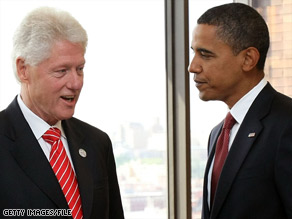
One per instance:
(229, 121)
(52, 135)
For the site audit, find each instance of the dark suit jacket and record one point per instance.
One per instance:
(256, 180)
(27, 180)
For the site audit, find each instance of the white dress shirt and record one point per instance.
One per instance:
(39, 127)
(238, 111)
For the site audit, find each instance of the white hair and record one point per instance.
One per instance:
(39, 30)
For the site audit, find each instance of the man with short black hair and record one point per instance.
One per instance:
(248, 173)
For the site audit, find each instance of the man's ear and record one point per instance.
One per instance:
(251, 57)
(21, 69)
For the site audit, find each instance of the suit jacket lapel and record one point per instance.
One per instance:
(81, 165)
(30, 157)
(241, 145)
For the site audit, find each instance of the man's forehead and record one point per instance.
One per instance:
(202, 33)
(205, 29)
(205, 34)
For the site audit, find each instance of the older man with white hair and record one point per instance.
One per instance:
(52, 164)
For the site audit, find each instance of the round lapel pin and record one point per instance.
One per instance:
(82, 152)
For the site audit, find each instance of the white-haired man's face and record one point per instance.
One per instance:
(51, 89)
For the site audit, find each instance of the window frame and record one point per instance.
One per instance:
(178, 109)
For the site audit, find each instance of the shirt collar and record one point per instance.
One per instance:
(240, 109)
(37, 125)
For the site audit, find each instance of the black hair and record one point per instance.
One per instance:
(239, 26)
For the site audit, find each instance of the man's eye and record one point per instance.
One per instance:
(80, 70)
(60, 73)
(62, 70)
(205, 55)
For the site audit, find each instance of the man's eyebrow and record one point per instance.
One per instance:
(204, 50)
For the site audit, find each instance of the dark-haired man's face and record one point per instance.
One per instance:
(217, 71)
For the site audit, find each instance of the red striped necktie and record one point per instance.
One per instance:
(64, 172)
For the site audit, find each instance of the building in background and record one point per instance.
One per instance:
(278, 69)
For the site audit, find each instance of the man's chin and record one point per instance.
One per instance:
(203, 97)
(207, 96)
(66, 115)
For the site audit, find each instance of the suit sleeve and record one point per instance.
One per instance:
(283, 169)
(115, 208)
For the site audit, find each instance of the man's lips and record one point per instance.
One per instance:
(199, 82)
(69, 98)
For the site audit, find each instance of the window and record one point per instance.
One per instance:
(124, 88)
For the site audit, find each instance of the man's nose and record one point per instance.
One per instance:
(76, 80)
(195, 66)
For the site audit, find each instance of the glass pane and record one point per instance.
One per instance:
(204, 115)
(124, 88)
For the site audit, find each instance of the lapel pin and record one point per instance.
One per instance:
(251, 135)
(82, 152)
